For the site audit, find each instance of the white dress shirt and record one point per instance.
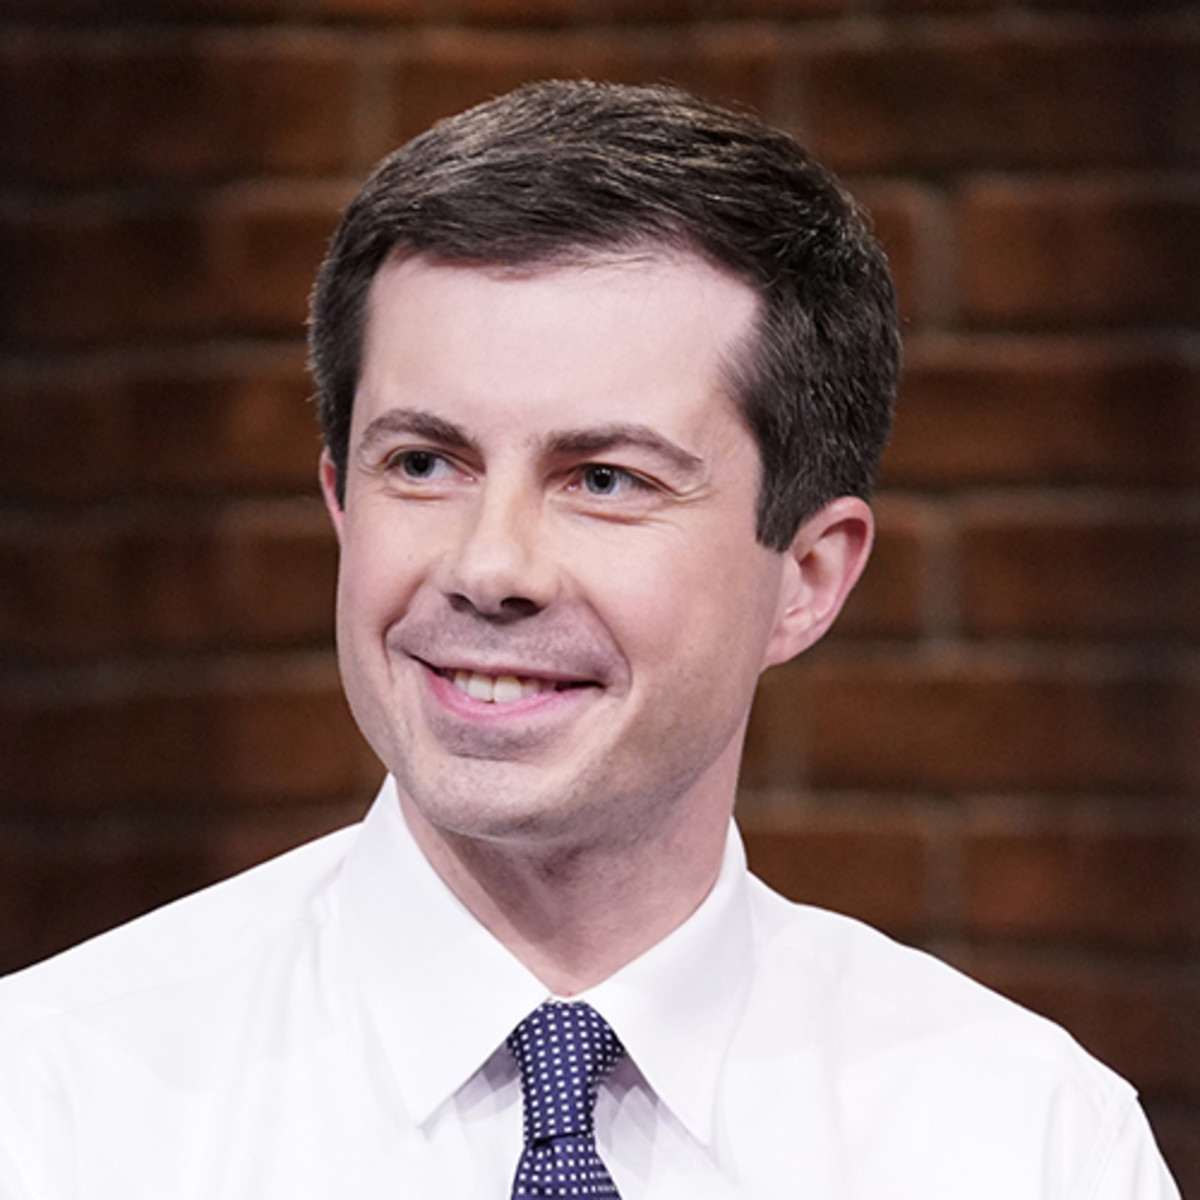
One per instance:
(332, 1024)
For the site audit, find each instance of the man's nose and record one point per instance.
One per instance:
(500, 565)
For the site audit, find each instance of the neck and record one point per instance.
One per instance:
(574, 914)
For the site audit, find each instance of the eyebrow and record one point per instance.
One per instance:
(615, 436)
(415, 421)
(573, 442)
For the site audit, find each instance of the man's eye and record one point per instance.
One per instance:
(417, 464)
(601, 480)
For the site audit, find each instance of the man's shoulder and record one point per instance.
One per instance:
(939, 1082)
(197, 936)
(890, 999)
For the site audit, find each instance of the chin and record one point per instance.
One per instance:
(480, 799)
(492, 802)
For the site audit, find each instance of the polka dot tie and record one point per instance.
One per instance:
(564, 1052)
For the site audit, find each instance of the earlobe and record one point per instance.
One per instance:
(821, 566)
(327, 474)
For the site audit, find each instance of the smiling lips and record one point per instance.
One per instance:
(504, 689)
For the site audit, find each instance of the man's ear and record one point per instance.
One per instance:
(327, 473)
(822, 564)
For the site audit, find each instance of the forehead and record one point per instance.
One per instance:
(648, 335)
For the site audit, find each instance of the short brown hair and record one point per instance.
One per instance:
(561, 170)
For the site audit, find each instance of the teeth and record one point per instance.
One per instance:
(506, 689)
(501, 689)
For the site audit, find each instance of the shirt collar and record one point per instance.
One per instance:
(676, 1006)
(444, 993)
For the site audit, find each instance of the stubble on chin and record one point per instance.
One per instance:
(595, 807)
(497, 801)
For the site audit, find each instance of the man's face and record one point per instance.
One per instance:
(552, 609)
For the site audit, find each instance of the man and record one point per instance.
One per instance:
(604, 375)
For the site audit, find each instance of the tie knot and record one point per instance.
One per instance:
(564, 1051)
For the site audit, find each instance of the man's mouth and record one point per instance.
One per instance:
(504, 689)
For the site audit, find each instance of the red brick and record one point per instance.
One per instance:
(348, 10)
(98, 108)
(97, 271)
(1080, 567)
(1045, 410)
(66, 433)
(941, 5)
(444, 71)
(57, 591)
(295, 739)
(528, 12)
(271, 243)
(60, 886)
(973, 96)
(81, 272)
(907, 222)
(1122, 8)
(223, 421)
(1177, 1128)
(275, 732)
(103, 427)
(1083, 250)
(121, 11)
(1135, 884)
(783, 9)
(699, 10)
(871, 867)
(234, 575)
(251, 837)
(54, 899)
(279, 575)
(1139, 1019)
(257, 576)
(889, 600)
(975, 720)
(776, 750)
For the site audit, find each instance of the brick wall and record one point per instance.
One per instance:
(995, 755)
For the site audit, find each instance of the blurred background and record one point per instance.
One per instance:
(995, 755)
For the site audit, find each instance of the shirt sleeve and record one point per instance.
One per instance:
(1135, 1169)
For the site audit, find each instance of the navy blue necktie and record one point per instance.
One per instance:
(564, 1052)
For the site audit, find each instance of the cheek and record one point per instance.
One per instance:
(640, 591)
(677, 610)
(377, 574)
